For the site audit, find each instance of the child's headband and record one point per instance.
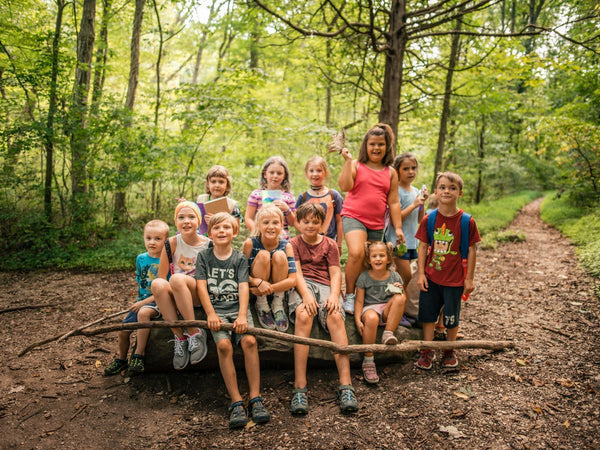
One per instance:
(192, 206)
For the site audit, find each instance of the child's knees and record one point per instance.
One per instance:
(145, 314)
(335, 320)
(279, 257)
(262, 257)
(248, 342)
(370, 317)
(159, 285)
(398, 300)
(224, 347)
(178, 281)
(303, 318)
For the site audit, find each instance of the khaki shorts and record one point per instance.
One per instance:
(320, 292)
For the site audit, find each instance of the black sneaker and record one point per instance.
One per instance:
(136, 363)
(237, 415)
(257, 410)
(115, 367)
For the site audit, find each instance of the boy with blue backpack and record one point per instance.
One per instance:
(446, 265)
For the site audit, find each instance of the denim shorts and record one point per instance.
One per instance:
(410, 255)
(436, 296)
(320, 292)
(230, 318)
(132, 316)
(351, 224)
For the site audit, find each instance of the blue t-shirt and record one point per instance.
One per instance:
(410, 224)
(326, 201)
(146, 270)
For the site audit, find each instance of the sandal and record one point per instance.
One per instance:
(257, 410)
(299, 403)
(237, 415)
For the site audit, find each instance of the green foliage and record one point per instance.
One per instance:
(579, 222)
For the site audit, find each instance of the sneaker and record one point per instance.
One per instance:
(425, 360)
(265, 319)
(281, 320)
(449, 360)
(237, 415)
(349, 303)
(257, 410)
(388, 338)
(197, 346)
(136, 363)
(439, 334)
(299, 403)
(347, 398)
(115, 367)
(181, 355)
(370, 373)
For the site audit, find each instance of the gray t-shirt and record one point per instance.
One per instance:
(376, 290)
(223, 278)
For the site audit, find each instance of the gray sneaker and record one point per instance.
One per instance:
(181, 355)
(349, 304)
(197, 346)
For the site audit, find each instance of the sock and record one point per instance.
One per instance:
(277, 301)
(369, 360)
(261, 303)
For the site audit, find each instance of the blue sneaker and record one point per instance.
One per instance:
(299, 403)
(347, 398)
(349, 304)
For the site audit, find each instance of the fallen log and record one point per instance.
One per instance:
(407, 346)
(19, 308)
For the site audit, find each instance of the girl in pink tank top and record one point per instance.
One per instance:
(372, 187)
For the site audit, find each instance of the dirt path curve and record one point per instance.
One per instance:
(543, 394)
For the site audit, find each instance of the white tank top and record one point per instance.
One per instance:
(184, 258)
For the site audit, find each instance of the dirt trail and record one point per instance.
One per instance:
(542, 394)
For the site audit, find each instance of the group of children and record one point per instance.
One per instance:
(383, 223)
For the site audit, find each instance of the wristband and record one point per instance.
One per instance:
(259, 283)
(287, 213)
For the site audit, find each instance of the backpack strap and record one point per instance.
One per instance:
(303, 197)
(465, 220)
(431, 225)
(169, 256)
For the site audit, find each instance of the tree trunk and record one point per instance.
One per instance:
(394, 58)
(101, 56)
(439, 154)
(79, 143)
(120, 212)
(480, 156)
(158, 62)
(49, 138)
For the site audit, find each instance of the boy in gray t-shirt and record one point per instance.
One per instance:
(222, 282)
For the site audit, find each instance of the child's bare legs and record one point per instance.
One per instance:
(261, 266)
(279, 266)
(185, 295)
(392, 314)
(355, 241)
(337, 331)
(144, 315)
(428, 328)
(252, 364)
(225, 353)
(371, 320)
(452, 333)
(403, 269)
(304, 323)
(163, 296)
(124, 343)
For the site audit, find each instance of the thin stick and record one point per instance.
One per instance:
(70, 333)
(406, 346)
(19, 308)
(87, 325)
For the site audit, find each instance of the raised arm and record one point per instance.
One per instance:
(348, 174)
(394, 204)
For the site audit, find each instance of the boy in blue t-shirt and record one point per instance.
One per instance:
(144, 309)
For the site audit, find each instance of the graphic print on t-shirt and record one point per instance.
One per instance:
(222, 284)
(442, 242)
(187, 265)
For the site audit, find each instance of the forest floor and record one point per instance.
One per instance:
(542, 394)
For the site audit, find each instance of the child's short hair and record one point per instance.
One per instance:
(433, 202)
(266, 211)
(220, 172)
(223, 217)
(400, 158)
(389, 248)
(306, 210)
(285, 184)
(452, 177)
(319, 161)
(381, 129)
(156, 223)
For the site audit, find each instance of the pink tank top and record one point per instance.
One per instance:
(367, 201)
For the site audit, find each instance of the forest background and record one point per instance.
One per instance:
(111, 110)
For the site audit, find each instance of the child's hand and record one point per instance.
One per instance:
(240, 325)
(207, 217)
(346, 154)
(135, 307)
(419, 201)
(400, 236)
(469, 287)
(422, 283)
(264, 288)
(283, 206)
(359, 325)
(214, 323)
(332, 304)
(311, 306)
